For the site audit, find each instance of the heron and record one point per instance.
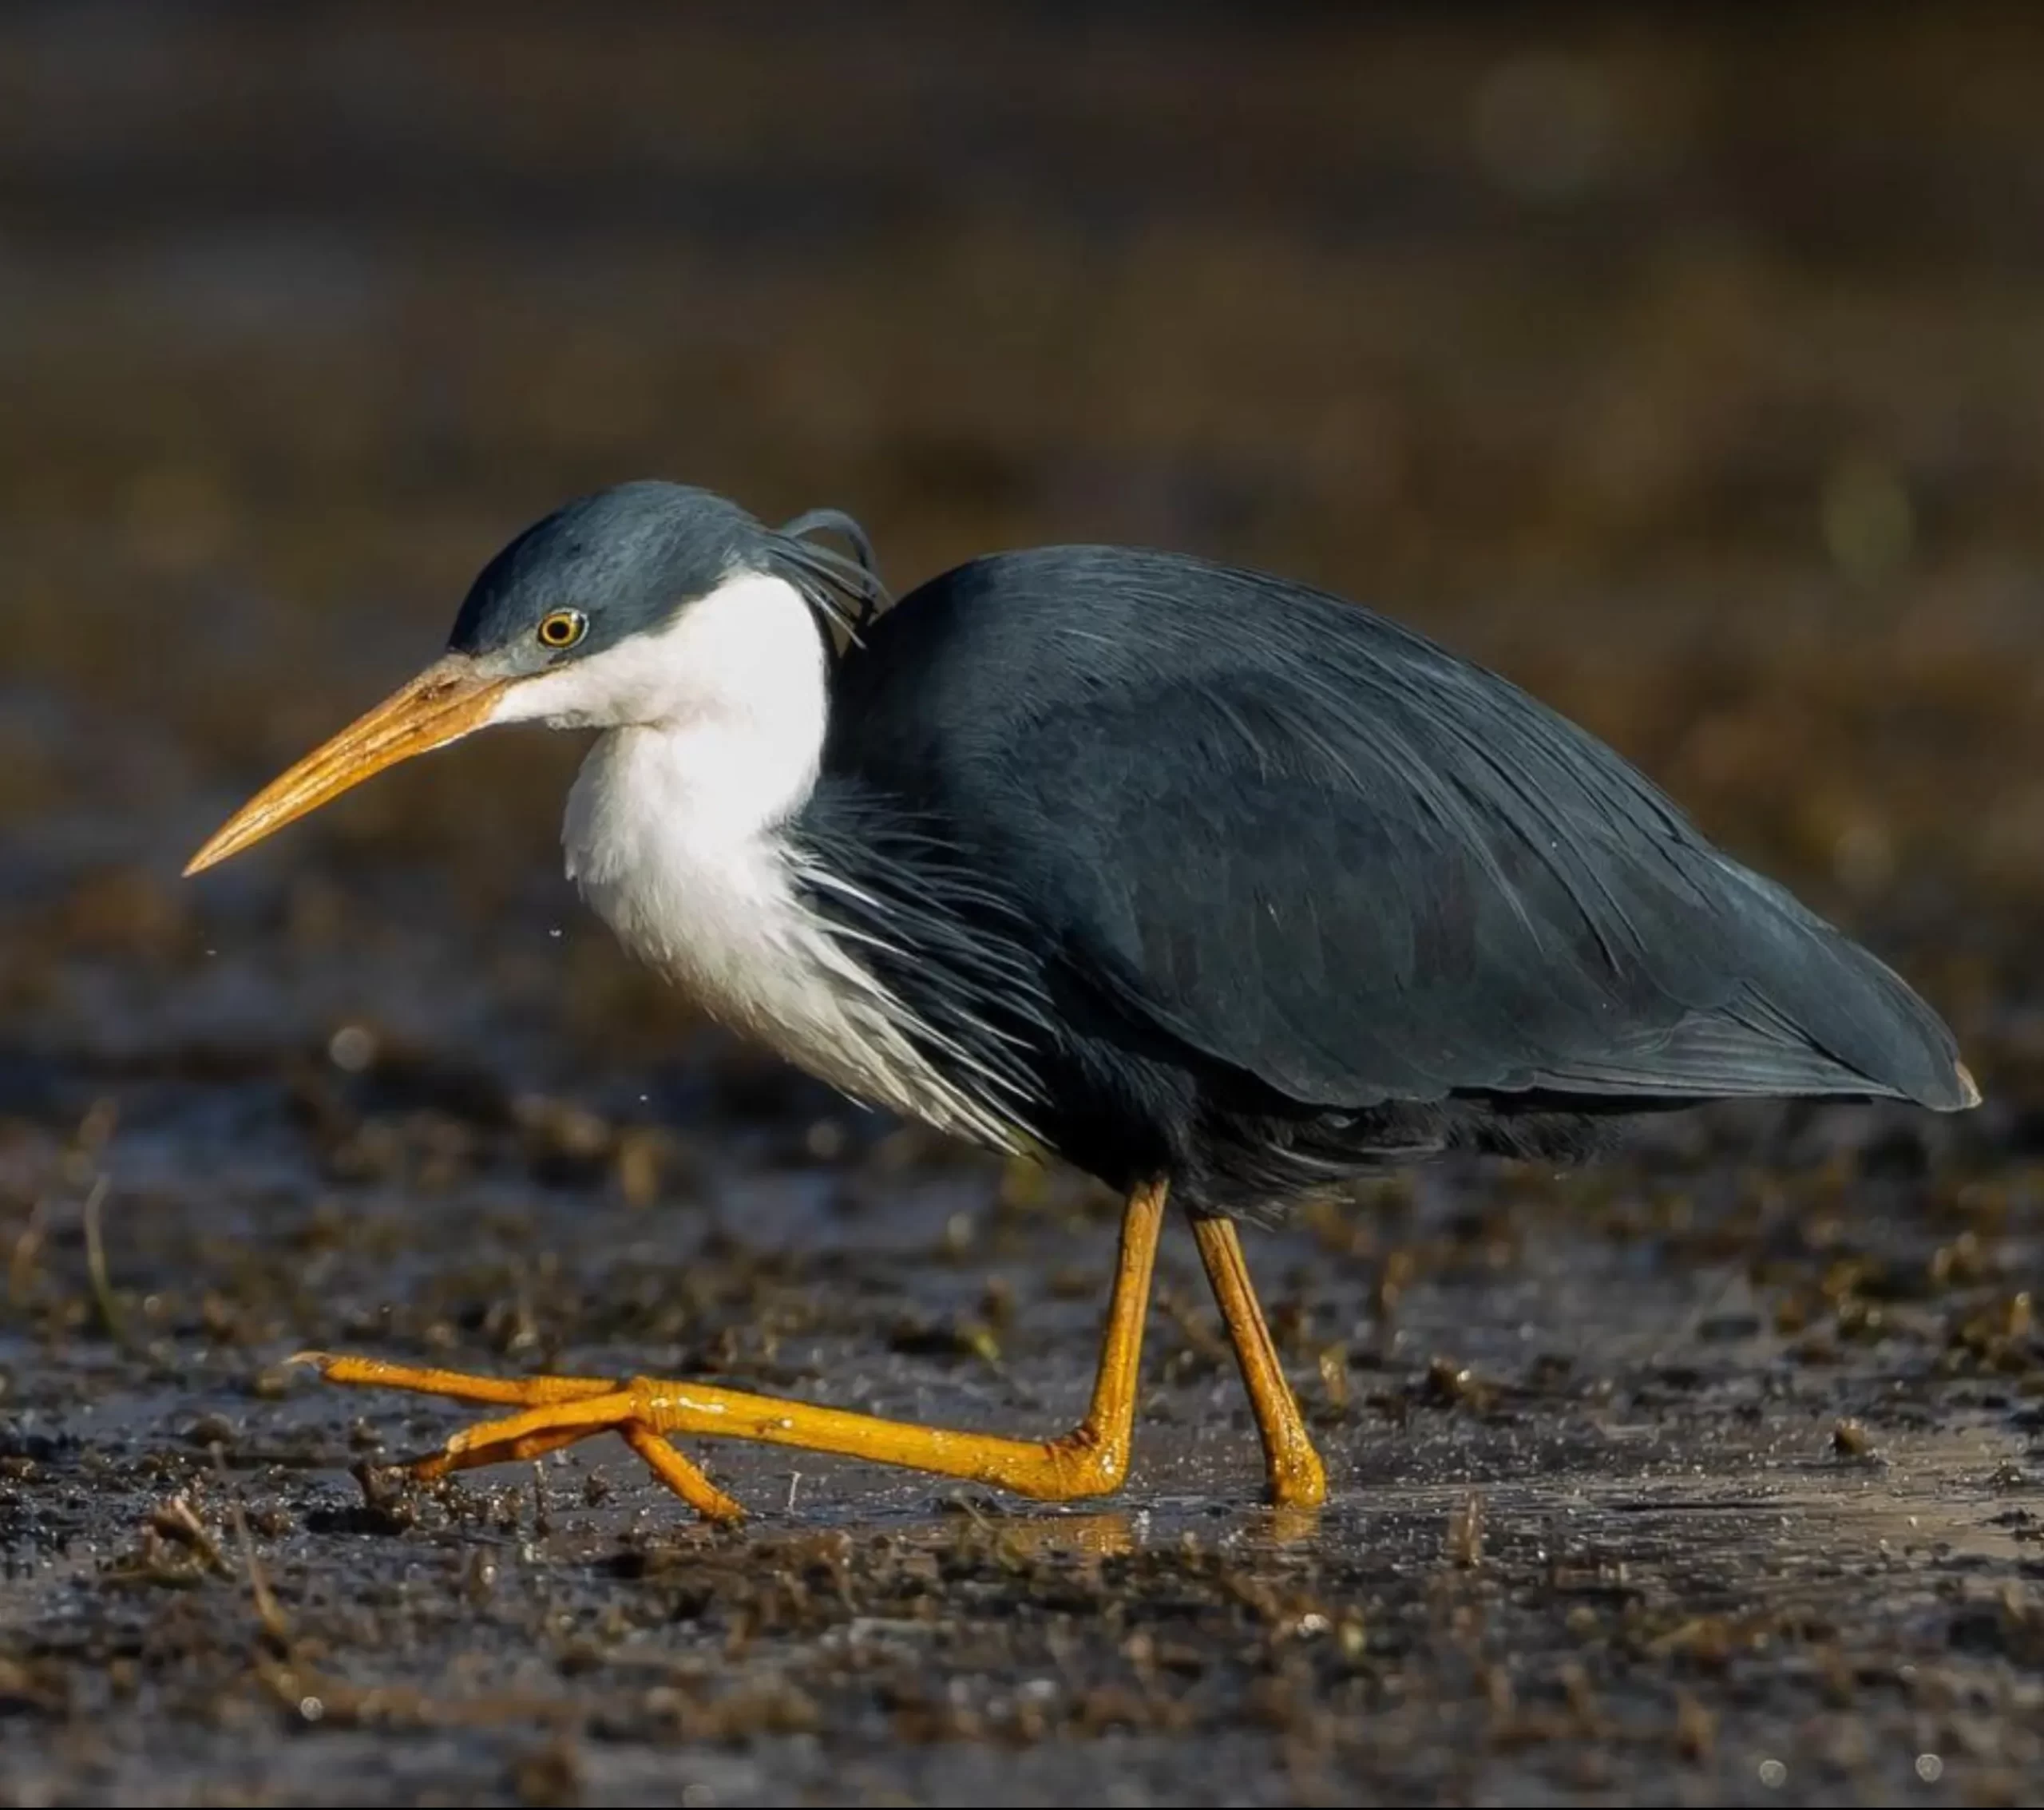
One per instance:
(1225, 889)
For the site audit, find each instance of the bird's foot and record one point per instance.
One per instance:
(1293, 1472)
(555, 1411)
(645, 1411)
(1293, 1475)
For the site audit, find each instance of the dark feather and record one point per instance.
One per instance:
(847, 592)
(1307, 893)
(939, 937)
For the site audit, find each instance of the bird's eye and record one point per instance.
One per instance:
(563, 629)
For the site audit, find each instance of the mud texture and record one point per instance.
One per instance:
(1691, 372)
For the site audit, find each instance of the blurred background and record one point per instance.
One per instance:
(1686, 364)
(1689, 368)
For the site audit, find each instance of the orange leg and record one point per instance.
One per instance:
(1298, 1478)
(1090, 1460)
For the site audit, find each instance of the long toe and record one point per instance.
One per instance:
(556, 1412)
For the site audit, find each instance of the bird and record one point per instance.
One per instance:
(1226, 890)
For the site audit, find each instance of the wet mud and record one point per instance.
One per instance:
(1692, 374)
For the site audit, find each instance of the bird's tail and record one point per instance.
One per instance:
(1815, 1015)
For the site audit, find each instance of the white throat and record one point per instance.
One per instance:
(728, 701)
(675, 836)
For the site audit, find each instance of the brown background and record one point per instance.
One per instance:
(1688, 366)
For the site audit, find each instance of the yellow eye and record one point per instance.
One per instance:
(563, 629)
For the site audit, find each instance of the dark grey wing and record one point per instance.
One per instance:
(1323, 851)
(1397, 913)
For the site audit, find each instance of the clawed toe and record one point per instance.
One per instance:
(558, 1411)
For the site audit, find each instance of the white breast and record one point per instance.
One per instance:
(675, 836)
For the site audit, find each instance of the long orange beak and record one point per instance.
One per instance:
(444, 702)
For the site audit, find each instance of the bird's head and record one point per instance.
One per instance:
(568, 625)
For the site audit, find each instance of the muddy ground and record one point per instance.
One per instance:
(1693, 373)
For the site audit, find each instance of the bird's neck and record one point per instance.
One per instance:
(673, 826)
(679, 834)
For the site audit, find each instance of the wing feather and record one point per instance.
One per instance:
(1321, 850)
